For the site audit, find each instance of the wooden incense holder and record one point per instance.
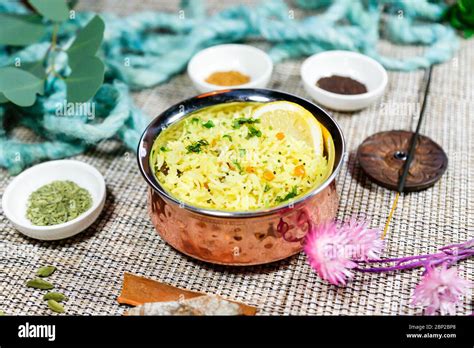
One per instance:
(382, 156)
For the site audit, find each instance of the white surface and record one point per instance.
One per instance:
(15, 197)
(345, 63)
(246, 59)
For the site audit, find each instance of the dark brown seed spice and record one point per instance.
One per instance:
(341, 85)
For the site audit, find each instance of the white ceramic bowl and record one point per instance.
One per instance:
(246, 59)
(345, 63)
(15, 197)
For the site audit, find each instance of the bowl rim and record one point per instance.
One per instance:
(266, 74)
(54, 228)
(155, 127)
(355, 97)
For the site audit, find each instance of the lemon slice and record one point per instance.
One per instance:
(292, 119)
(330, 151)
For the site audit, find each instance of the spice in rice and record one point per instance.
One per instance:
(57, 202)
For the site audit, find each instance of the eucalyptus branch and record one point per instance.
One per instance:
(52, 50)
(21, 86)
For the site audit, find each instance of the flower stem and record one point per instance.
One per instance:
(467, 244)
(450, 254)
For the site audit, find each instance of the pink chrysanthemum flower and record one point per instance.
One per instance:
(332, 249)
(324, 246)
(366, 242)
(441, 289)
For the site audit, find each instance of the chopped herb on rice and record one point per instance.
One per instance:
(242, 151)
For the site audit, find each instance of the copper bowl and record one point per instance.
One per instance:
(238, 238)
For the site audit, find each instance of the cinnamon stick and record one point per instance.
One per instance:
(138, 290)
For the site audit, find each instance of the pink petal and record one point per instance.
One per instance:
(331, 249)
(441, 290)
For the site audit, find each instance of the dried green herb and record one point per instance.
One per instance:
(55, 306)
(237, 164)
(292, 194)
(209, 124)
(164, 168)
(253, 132)
(238, 122)
(56, 296)
(39, 283)
(45, 271)
(57, 202)
(196, 146)
(227, 136)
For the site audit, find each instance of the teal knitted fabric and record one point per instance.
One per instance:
(146, 49)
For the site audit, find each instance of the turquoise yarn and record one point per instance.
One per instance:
(137, 57)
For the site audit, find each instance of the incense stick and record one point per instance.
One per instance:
(394, 206)
(414, 138)
(411, 152)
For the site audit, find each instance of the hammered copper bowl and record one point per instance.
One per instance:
(238, 238)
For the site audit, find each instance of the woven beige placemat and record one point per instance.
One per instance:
(91, 265)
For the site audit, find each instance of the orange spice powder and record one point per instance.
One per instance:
(227, 78)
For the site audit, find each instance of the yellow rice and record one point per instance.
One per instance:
(227, 171)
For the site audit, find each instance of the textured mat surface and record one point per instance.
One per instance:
(91, 265)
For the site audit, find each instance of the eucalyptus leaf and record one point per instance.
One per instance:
(56, 10)
(87, 42)
(20, 86)
(36, 68)
(20, 30)
(3, 99)
(72, 3)
(85, 80)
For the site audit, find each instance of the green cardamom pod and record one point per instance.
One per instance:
(57, 296)
(39, 283)
(55, 306)
(45, 271)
